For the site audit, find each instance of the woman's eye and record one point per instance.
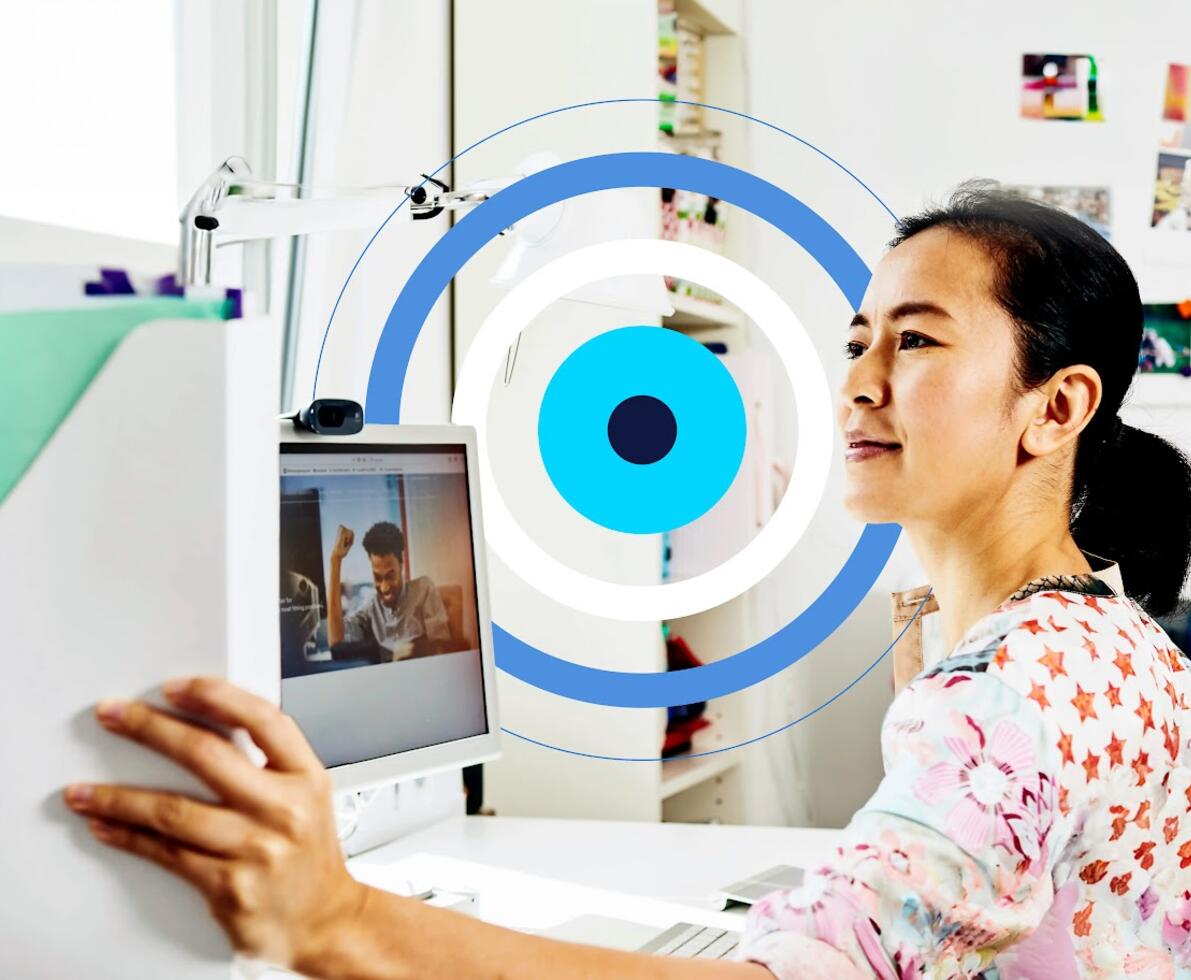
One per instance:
(915, 336)
(910, 341)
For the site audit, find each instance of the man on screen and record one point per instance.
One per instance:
(404, 618)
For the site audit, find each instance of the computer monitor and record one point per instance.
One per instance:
(386, 640)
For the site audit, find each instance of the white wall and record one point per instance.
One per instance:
(88, 116)
(34, 242)
(915, 97)
(918, 96)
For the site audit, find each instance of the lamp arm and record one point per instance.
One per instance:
(232, 206)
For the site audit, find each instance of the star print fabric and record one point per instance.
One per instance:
(1034, 820)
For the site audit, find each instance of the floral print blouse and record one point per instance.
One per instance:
(1034, 820)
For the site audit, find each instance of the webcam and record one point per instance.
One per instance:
(330, 417)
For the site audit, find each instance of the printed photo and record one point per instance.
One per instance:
(1060, 86)
(1090, 204)
(1172, 192)
(1174, 106)
(1176, 133)
(1166, 340)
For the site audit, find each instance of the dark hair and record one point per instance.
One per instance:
(384, 538)
(1075, 301)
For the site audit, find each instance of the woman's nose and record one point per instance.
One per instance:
(867, 381)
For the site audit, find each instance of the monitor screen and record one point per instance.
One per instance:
(380, 648)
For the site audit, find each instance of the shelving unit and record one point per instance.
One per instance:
(686, 141)
(682, 774)
(696, 789)
(529, 780)
(713, 17)
(691, 313)
(571, 48)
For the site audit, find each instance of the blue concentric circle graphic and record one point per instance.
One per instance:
(606, 172)
(785, 646)
(641, 430)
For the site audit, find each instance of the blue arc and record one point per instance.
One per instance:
(652, 690)
(608, 172)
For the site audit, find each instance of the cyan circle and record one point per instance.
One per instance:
(608, 172)
(593, 381)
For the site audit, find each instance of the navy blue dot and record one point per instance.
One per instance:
(642, 429)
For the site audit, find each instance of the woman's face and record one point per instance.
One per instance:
(931, 371)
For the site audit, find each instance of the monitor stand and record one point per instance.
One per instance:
(373, 817)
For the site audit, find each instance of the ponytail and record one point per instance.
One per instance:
(1132, 505)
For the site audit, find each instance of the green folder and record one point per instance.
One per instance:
(49, 357)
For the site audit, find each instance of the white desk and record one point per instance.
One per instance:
(532, 873)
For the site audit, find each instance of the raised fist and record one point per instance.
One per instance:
(343, 543)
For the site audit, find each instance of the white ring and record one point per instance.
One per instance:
(764, 307)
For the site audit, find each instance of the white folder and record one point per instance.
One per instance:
(140, 544)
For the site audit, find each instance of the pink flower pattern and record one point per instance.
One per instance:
(982, 784)
(1035, 815)
(1176, 930)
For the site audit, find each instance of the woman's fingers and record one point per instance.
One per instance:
(201, 870)
(274, 732)
(268, 859)
(208, 755)
(200, 825)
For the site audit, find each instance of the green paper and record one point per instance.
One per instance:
(49, 357)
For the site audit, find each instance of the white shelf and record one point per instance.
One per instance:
(682, 774)
(677, 142)
(699, 314)
(713, 16)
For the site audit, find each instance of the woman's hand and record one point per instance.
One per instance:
(268, 861)
(267, 857)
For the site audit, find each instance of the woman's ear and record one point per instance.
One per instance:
(1062, 409)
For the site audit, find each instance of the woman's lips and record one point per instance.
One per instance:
(869, 450)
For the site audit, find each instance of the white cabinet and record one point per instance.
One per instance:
(561, 54)
(565, 54)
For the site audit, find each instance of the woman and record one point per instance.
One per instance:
(1035, 816)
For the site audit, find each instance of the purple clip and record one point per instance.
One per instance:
(118, 280)
(112, 282)
(168, 286)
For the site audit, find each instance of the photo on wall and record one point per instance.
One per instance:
(1176, 134)
(1092, 205)
(1166, 339)
(1061, 86)
(1172, 192)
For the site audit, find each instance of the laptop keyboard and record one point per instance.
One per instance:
(693, 942)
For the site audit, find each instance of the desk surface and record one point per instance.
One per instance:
(534, 873)
(670, 862)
